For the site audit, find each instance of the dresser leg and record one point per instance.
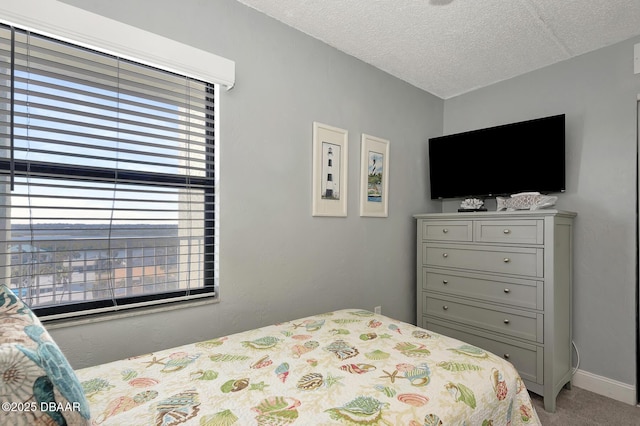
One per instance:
(568, 385)
(550, 404)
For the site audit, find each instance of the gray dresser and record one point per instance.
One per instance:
(502, 281)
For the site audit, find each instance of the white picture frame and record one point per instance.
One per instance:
(330, 165)
(374, 177)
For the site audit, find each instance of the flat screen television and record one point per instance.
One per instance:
(527, 156)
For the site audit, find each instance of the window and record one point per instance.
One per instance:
(107, 196)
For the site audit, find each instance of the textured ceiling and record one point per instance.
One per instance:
(449, 47)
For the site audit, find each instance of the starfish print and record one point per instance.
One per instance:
(295, 326)
(392, 376)
(333, 380)
(259, 386)
(153, 361)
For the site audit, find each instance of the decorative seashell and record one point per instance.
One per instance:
(432, 420)
(128, 374)
(470, 351)
(362, 410)
(145, 396)
(395, 328)
(95, 385)
(234, 385)
(404, 367)
(266, 342)
(143, 382)
(213, 343)
(277, 411)
(313, 325)
(412, 350)
(342, 350)
(357, 368)
(204, 375)
(336, 331)
(310, 381)
(461, 393)
(301, 337)
(421, 334)
(362, 313)
(390, 392)
(377, 355)
(312, 362)
(223, 418)
(374, 323)
(344, 321)
(282, 371)
(368, 336)
(262, 362)
(413, 399)
(227, 358)
(458, 366)
(299, 350)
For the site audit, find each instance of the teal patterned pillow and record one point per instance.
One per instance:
(37, 384)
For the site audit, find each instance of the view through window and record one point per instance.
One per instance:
(107, 179)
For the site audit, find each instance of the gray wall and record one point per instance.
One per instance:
(278, 262)
(597, 92)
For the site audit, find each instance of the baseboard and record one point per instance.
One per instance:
(604, 386)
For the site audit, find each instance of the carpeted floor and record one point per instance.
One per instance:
(579, 407)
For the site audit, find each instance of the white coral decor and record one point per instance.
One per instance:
(472, 204)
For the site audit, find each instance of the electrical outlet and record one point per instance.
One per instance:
(378, 309)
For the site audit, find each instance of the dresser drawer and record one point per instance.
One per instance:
(458, 230)
(509, 231)
(523, 261)
(526, 358)
(521, 324)
(491, 288)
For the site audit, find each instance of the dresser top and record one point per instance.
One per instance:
(495, 214)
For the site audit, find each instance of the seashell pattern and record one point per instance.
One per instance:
(143, 382)
(266, 342)
(277, 410)
(342, 350)
(234, 385)
(377, 355)
(350, 371)
(357, 368)
(310, 381)
(413, 399)
(223, 418)
(421, 334)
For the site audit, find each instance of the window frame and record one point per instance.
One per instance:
(189, 62)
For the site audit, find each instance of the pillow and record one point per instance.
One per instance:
(37, 384)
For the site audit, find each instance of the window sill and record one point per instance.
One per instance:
(127, 313)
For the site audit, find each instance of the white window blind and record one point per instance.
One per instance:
(107, 195)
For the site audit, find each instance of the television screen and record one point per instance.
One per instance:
(527, 156)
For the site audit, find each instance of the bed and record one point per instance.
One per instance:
(349, 367)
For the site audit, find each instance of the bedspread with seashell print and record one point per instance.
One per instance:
(348, 367)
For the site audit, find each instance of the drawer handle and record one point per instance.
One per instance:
(445, 308)
(506, 260)
(445, 230)
(507, 231)
(506, 321)
(445, 255)
(506, 290)
(506, 356)
(445, 282)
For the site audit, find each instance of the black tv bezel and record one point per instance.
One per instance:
(559, 167)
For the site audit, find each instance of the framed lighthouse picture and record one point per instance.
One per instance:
(374, 179)
(329, 170)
